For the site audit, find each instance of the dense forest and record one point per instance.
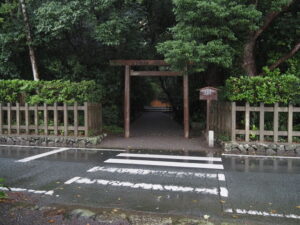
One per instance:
(75, 39)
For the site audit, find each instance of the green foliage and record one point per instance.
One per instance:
(201, 36)
(49, 92)
(271, 88)
(113, 129)
(2, 194)
(75, 39)
(54, 18)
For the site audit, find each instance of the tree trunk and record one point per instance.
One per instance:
(32, 55)
(249, 63)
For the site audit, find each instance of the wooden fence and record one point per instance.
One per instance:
(224, 121)
(56, 120)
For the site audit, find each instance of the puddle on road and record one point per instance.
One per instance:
(79, 155)
(21, 152)
(278, 165)
(177, 152)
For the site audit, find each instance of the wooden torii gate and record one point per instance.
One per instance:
(131, 73)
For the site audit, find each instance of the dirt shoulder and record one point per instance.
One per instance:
(24, 209)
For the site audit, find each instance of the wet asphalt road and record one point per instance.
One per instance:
(261, 189)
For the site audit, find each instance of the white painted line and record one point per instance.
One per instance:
(224, 192)
(144, 186)
(43, 155)
(181, 157)
(27, 190)
(73, 148)
(72, 180)
(261, 156)
(262, 213)
(178, 174)
(165, 163)
(221, 177)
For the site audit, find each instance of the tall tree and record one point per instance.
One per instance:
(208, 32)
(32, 54)
(275, 9)
(224, 32)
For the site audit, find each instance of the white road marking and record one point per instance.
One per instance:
(181, 157)
(74, 148)
(72, 180)
(224, 192)
(27, 190)
(43, 155)
(221, 177)
(145, 186)
(166, 163)
(262, 213)
(180, 174)
(261, 156)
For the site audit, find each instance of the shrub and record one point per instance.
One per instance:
(38, 92)
(2, 193)
(271, 88)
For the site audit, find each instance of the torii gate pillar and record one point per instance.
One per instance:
(127, 102)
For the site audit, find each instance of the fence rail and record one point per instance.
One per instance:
(57, 119)
(227, 112)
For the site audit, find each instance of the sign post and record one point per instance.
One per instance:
(208, 94)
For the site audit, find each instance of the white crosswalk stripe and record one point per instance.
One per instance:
(180, 157)
(168, 173)
(166, 163)
(149, 186)
(182, 161)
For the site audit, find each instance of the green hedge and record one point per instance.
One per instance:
(271, 88)
(37, 92)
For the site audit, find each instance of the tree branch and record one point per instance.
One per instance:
(294, 50)
(269, 19)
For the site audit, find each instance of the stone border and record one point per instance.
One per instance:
(261, 148)
(52, 141)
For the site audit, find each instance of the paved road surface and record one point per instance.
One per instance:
(156, 130)
(174, 182)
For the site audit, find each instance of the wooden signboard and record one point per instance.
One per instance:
(208, 94)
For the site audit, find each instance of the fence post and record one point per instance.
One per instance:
(27, 118)
(45, 119)
(36, 119)
(275, 123)
(65, 119)
(262, 122)
(290, 124)
(233, 121)
(86, 119)
(8, 118)
(247, 122)
(18, 117)
(101, 118)
(1, 118)
(55, 119)
(76, 119)
(228, 119)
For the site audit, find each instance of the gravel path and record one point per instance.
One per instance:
(156, 130)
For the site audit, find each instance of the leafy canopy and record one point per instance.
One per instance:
(207, 32)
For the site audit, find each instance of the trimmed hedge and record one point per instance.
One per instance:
(49, 92)
(271, 88)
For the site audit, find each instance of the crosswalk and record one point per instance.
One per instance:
(177, 183)
(184, 174)
(167, 161)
